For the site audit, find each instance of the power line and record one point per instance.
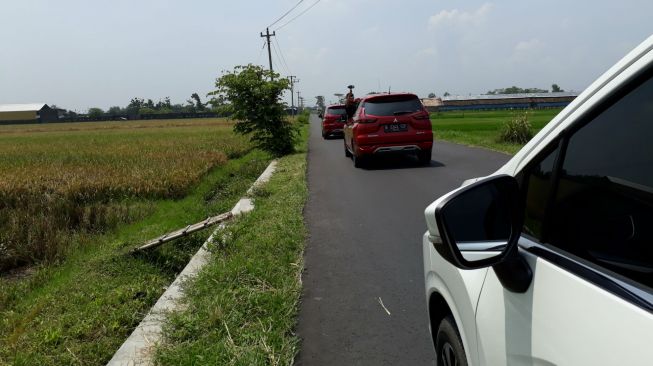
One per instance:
(286, 13)
(279, 63)
(300, 14)
(258, 59)
(283, 58)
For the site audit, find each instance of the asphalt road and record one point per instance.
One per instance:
(365, 230)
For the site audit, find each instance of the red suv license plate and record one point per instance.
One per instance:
(395, 127)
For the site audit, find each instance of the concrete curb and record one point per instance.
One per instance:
(138, 348)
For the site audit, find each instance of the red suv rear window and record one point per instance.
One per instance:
(393, 106)
(336, 111)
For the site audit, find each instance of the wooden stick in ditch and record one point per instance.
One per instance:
(210, 221)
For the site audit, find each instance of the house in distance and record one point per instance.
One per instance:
(27, 113)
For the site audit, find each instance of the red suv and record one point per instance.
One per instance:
(389, 123)
(333, 120)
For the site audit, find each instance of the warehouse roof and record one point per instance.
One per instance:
(432, 102)
(511, 96)
(21, 107)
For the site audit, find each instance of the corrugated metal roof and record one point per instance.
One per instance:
(432, 102)
(511, 96)
(21, 107)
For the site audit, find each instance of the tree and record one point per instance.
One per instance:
(136, 102)
(114, 111)
(95, 112)
(198, 102)
(556, 89)
(431, 95)
(253, 95)
(134, 106)
(446, 94)
(147, 110)
(320, 102)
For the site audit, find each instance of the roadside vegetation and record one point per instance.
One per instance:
(304, 116)
(517, 130)
(76, 198)
(252, 96)
(241, 309)
(87, 193)
(485, 128)
(61, 184)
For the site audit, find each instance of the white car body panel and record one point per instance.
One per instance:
(561, 319)
(461, 288)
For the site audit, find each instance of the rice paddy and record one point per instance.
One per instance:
(60, 181)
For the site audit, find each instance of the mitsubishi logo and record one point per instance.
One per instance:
(395, 121)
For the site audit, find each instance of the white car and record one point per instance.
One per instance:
(549, 260)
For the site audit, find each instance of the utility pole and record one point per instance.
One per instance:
(267, 35)
(298, 98)
(293, 80)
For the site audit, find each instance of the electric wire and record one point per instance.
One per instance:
(283, 58)
(286, 13)
(279, 62)
(300, 14)
(258, 59)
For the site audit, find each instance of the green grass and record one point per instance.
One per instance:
(304, 116)
(241, 309)
(79, 309)
(481, 128)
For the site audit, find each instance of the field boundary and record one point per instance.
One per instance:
(139, 346)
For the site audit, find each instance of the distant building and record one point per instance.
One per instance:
(27, 113)
(432, 104)
(507, 101)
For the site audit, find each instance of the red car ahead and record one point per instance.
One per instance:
(333, 120)
(389, 123)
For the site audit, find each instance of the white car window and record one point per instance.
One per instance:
(597, 203)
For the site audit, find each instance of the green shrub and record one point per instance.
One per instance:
(518, 130)
(304, 116)
(253, 97)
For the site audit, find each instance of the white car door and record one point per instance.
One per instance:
(561, 320)
(588, 238)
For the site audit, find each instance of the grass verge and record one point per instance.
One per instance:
(241, 309)
(79, 311)
(482, 128)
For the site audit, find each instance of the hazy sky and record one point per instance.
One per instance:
(87, 53)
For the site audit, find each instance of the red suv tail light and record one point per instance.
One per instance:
(422, 121)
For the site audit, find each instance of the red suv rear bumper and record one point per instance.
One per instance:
(332, 128)
(403, 147)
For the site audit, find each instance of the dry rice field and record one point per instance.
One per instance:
(59, 181)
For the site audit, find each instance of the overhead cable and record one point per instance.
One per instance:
(279, 62)
(300, 14)
(283, 58)
(286, 13)
(258, 59)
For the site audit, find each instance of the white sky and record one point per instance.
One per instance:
(90, 53)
